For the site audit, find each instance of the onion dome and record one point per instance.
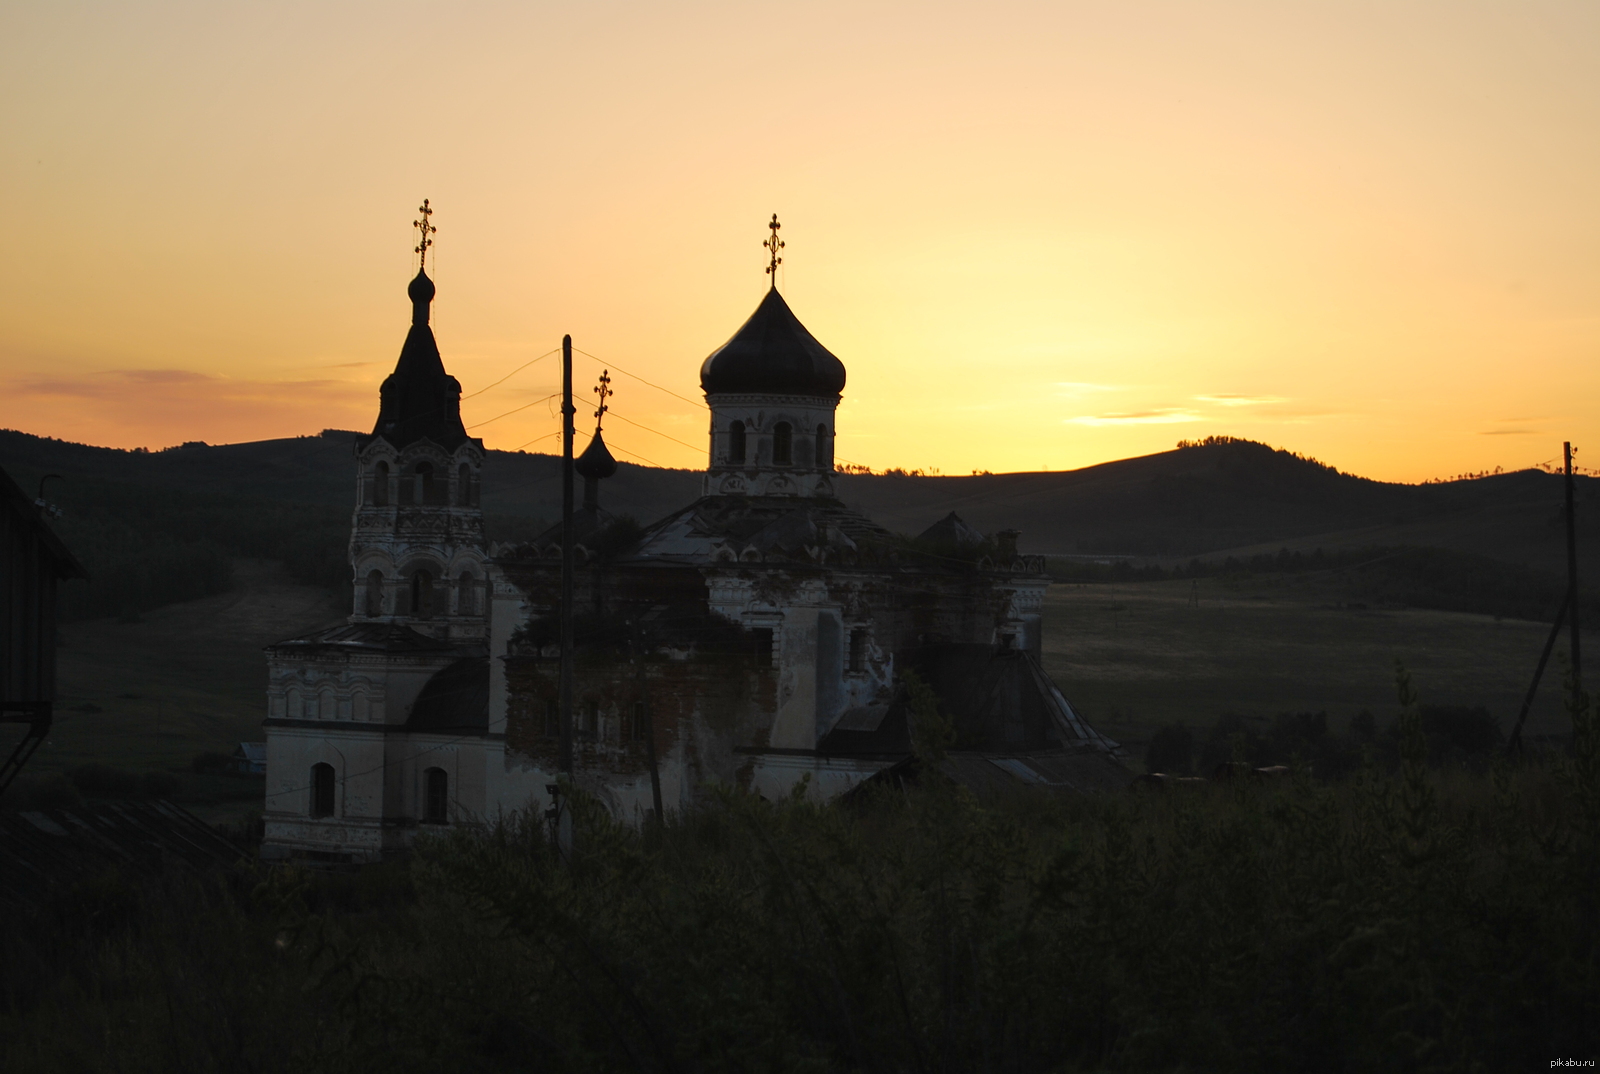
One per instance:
(419, 399)
(596, 463)
(773, 354)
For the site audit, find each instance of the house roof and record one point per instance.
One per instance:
(41, 849)
(25, 509)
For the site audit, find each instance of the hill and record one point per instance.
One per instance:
(164, 523)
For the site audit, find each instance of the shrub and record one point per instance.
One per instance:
(1171, 750)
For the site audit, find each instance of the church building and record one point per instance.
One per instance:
(762, 636)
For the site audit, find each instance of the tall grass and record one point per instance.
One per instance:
(1412, 920)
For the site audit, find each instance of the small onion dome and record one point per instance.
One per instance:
(773, 354)
(596, 463)
(421, 292)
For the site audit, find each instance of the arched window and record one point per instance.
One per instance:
(322, 790)
(436, 807)
(327, 705)
(426, 493)
(782, 444)
(464, 486)
(380, 485)
(421, 594)
(374, 594)
(295, 704)
(736, 442)
(466, 594)
(824, 449)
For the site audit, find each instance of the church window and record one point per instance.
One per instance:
(466, 594)
(782, 444)
(421, 594)
(824, 449)
(763, 646)
(374, 594)
(436, 809)
(858, 650)
(736, 442)
(425, 490)
(464, 486)
(295, 704)
(380, 485)
(322, 790)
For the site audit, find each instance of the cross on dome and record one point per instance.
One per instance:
(774, 244)
(427, 229)
(603, 389)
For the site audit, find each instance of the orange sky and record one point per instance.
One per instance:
(1038, 234)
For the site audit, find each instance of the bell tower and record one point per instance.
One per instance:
(417, 546)
(773, 391)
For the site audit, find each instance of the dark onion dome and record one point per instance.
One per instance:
(773, 354)
(596, 463)
(419, 399)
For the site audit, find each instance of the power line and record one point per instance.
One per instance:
(657, 465)
(508, 413)
(635, 376)
(647, 429)
(513, 373)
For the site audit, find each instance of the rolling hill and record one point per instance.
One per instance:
(290, 500)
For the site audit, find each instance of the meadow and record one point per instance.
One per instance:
(1136, 656)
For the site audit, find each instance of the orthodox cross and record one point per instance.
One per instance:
(427, 229)
(774, 244)
(602, 390)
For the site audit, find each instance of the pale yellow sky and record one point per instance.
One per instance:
(1038, 235)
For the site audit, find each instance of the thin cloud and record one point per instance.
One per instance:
(1240, 400)
(1508, 432)
(1163, 416)
(1074, 388)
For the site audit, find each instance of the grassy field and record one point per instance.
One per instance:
(190, 677)
(1136, 656)
(187, 678)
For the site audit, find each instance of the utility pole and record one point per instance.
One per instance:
(568, 586)
(1572, 573)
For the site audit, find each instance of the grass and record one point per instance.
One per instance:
(1386, 923)
(187, 678)
(1139, 655)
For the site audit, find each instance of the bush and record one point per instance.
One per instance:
(1171, 750)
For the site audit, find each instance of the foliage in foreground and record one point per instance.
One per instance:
(1382, 923)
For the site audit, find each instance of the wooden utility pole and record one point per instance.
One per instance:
(1572, 573)
(568, 585)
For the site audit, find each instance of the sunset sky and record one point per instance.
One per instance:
(1039, 235)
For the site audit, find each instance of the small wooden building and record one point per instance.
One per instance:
(33, 562)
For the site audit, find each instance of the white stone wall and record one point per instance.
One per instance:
(759, 474)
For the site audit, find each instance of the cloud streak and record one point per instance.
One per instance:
(1161, 416)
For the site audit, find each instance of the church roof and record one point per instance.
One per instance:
(596, 461)
(772, 353)
(770, 528)
(419, 400)
(455, 699)
(951, 529)
(367, 637)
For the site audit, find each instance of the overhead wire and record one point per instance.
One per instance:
(511, 374)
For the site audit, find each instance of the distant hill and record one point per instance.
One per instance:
(290, 499)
